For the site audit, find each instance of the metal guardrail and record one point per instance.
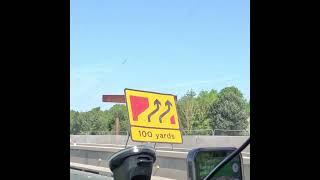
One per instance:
(103, 133)
(224, 132)
(215, 132)
(198, 132)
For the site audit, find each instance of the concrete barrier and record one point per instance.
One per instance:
(188, 141)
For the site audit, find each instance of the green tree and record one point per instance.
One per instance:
(76, 124)
(96, 120)
(121, 112)
(84, 123)
(248, 111)
(229, 112)
(202, 109)
(186, 108)
(248, 108)
(72, 114)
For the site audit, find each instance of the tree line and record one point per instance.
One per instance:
(208, 110)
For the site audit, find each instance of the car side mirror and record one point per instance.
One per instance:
(201, 161)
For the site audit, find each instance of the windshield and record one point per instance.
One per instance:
(196, 51)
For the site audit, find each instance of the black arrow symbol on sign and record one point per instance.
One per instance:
(168, 103)
(158, 104)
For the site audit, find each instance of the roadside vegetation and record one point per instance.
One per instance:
(198, 114)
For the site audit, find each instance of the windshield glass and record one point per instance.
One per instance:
(196, 51)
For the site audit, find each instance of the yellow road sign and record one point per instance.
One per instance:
(153, 117)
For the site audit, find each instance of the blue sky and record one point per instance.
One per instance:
(167, 46)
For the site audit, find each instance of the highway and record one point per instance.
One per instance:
(81, 172)
(170, 151)
(81, 175)
(95, 150)
(172, 161)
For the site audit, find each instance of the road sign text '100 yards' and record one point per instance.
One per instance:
(153, 117)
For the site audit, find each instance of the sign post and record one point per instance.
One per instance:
(153, 117)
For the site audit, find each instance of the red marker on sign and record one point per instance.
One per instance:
(172, 120)
(138, 105)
